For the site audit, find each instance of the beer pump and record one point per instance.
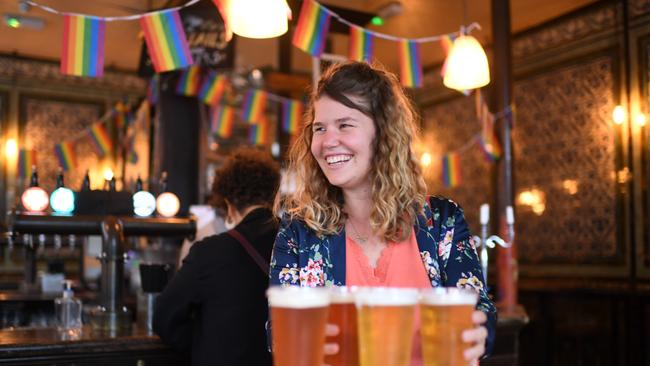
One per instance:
(485, 241)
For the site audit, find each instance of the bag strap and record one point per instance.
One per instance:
(264, 266)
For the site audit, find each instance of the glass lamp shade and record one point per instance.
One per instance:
(144, 203)
(35, 199)
(467, 65)
(167, 204)
(62, 200)
(258, 18)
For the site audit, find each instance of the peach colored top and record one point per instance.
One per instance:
(399, 265)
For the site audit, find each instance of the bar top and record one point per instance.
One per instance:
(20, 343)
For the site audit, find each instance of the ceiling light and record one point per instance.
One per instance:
(259, 18)
(467, 65)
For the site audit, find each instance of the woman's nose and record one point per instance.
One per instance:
(330, 138)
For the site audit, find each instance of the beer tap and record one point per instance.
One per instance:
(485, 241)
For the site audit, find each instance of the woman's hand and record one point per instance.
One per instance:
(331, 330)
(476, 336)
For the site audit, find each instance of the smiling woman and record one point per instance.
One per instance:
(356, 172)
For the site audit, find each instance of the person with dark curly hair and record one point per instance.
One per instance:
(215, 306)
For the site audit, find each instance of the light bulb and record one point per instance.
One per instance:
(258, 18)
(425, 160)
(640, 119)
(167, 204)
(467, 65)
(144, 203)
(108, 174)
(618, 115)
(35, 199)
(62, 200)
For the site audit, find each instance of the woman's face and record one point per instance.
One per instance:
(342, 144)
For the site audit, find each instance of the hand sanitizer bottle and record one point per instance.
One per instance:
(68, 311)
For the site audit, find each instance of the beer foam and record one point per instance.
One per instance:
(449, 296)
(386, 296)
(298, 297)
(342, 294)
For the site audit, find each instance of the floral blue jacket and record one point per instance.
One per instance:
(300, 257)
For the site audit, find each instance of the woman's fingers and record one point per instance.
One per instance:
(331, 349)
(331, 330)
(476, 337)
(478, 317)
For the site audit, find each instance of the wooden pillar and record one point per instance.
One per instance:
(501, 98)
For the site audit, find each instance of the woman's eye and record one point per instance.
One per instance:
(318, 129)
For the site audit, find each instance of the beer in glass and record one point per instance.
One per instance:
(343, 313)
(298, 318)
(385, 321)
(445, 314)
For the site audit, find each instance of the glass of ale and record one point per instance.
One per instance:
(385, 321)
(343, 313)
(298, 317)
(445, 314)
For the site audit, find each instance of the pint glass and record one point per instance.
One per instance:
(445, 314)
(343, 313)
(298, 317)
(385, 321)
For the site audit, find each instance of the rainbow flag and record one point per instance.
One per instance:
(26, 160)
(190, 81)
(254, 106)
(213, 88)
(121, 115)
(312, 28)
(83, 45)
(446, 41)
(65, 154)
(101, 139)
(166, 41)
(222, 120)
(410, 67)
(292, 111)
(490, 147)
(451, 169)
(361, 44)
(260, 133)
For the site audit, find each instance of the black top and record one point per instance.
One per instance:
(216, 303)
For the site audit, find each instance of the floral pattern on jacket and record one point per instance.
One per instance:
(448, 253)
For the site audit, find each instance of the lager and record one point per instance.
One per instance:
(343, 313)
(298, 317)
(386, 317)
(446, 313)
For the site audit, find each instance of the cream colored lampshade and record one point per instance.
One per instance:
(258, 18)
(467, 65)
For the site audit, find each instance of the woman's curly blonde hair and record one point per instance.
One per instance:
(398, 188)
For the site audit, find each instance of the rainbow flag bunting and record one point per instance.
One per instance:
(65, 154)
(490, 147)
(446, 41)
(292, 111)
(259, 134)
(26, 159)
(222, 120)
(190, 81)
(410, 67)
(451, 169)
(101, 139)
(361, 44)
(213, 88)
(312, 28)
(166, 40)
(254, 106)
(83, 45)
(121, 115)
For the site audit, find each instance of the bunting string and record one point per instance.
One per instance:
(109, 19)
